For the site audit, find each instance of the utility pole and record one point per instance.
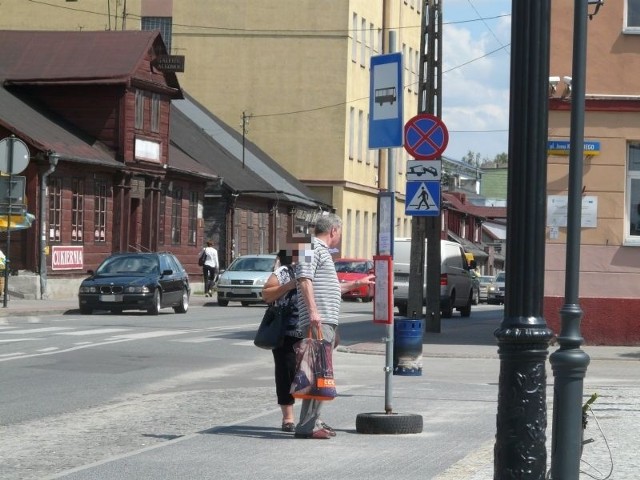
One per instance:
(245, 131)
(523, 336)
(429, 101)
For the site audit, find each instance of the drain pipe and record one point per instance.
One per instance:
(53, 162)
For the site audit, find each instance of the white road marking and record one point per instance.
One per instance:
(97, 331)
(48, 349)
(36, 330)
(155, 334)
(197, 340)
(12, 340)
(11, 354)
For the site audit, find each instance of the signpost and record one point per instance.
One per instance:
(14, 158)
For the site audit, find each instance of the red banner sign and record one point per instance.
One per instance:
(67, 257)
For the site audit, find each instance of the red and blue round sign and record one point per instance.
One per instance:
(425, 137)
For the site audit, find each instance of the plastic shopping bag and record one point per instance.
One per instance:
(314, 369)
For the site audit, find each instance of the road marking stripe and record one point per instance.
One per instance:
(143, 335)
(196, 340)
(48, 349)
(11, 340)
(11, 354)
(37, 330)
(97, 331)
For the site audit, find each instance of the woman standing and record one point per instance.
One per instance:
(281, 289)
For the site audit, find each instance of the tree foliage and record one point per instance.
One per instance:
(501, 160)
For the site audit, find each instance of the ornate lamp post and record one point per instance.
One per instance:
(523, 335)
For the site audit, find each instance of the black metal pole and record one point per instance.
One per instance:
(7, 262)
(523, 336)
(569, 362)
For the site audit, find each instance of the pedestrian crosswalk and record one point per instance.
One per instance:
(49, 340)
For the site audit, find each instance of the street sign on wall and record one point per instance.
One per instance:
(386, 101)
(425, 137)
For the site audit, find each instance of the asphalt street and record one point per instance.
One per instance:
(212, 428)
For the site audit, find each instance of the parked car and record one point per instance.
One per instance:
(496, 295)
(486, 282)
(136, 281)
(351, 269)
(456, 290)
(243, 280)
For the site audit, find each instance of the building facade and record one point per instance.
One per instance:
(292, 76)
(610, 250)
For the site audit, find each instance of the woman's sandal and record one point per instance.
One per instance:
(288, 427)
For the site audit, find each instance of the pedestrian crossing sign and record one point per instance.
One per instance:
(423, 199)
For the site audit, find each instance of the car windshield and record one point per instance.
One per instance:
(485, 279)
(252, 264)
(129, 264)
(500, 277)
(351, 267)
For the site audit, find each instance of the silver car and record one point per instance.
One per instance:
(496, 295)
(243, 280)
(486, 283)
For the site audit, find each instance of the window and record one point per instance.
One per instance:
(360, 133)
(155, 112)
(347, 247)
(139, 121)
(100, 212)
(632, 16)
(77, 209)
(367, 149)
(354, 38)
(363, 44)
(357, 233)
(633, 195)
(55, 208)
(194, 199)
(352, 120)
(176, 216)
(164, 24)
(161, 216)
(372, 39)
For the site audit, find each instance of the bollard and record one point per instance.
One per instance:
(407, 348)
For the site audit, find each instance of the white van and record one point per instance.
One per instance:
(456, 283)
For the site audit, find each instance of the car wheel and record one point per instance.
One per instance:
(245, 304)
(447, 311)
(86, 310)
(466, 310)
(157, 303)
(388, 423)
(223, 303)
(476, 297)
(184, 303)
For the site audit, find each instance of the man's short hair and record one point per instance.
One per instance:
(326, 222)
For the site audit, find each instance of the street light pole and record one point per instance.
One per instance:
(569, 362)
(523, 336)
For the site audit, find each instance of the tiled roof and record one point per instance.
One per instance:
(44, 57)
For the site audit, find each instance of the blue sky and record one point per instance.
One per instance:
(475, 76)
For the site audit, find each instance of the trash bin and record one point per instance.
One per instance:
(407, 346)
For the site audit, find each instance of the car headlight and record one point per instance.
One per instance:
(491, 288)
(137, 289)
(88, 289)
(224, 282)
(260, 281)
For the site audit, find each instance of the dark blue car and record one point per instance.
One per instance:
(136, 281)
